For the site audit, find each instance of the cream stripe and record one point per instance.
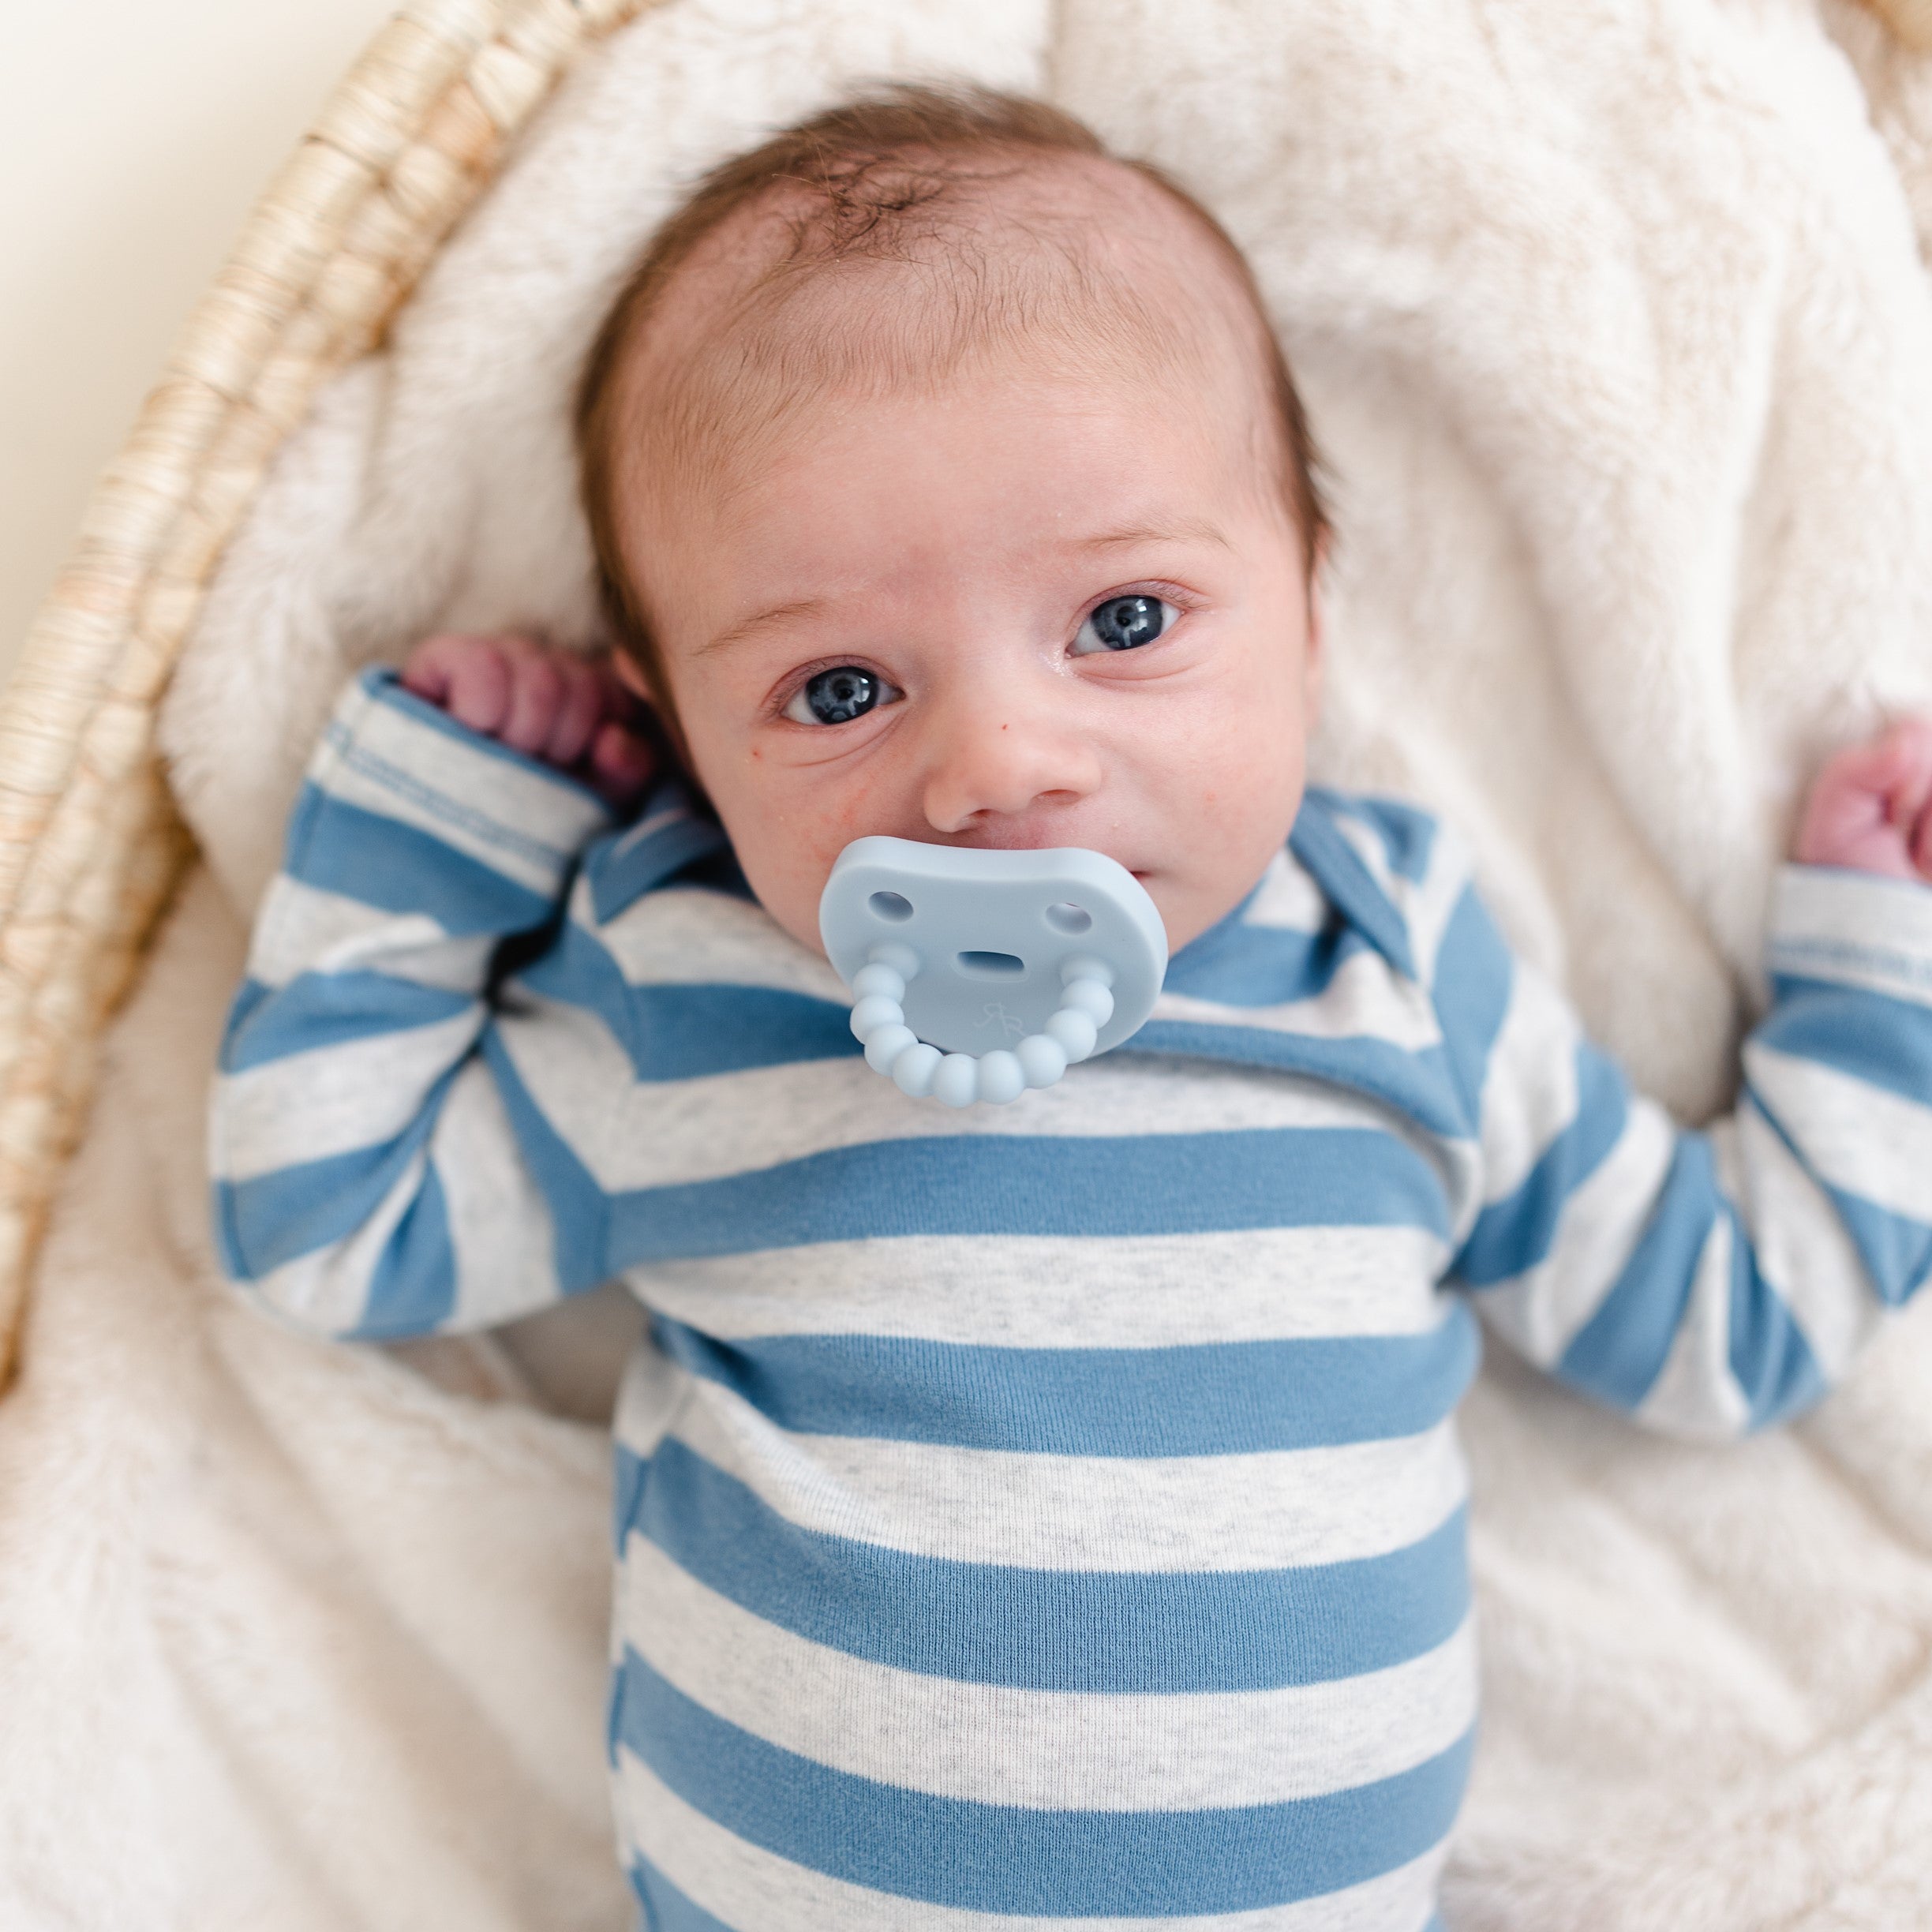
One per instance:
(1101, 1513)
(1803, 1249)
(1363, 998)
(1287, 899)
(1857, 1137)
(680, 934)
(304, 928)
(518, 821)
(1858, 928)
(992, 1744)
(500, 1227)
(334, 1099)
(631, 1135)
(1530, 1090)
(1542, 1310)
(1081, 1291)
(1695, 1393)
(1423, 905)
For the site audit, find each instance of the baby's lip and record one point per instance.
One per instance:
(1044, 839)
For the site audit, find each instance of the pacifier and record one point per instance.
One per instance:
(977, 975)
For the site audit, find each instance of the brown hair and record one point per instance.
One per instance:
(867, 169)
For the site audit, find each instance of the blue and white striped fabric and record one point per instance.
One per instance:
(1049, 1515)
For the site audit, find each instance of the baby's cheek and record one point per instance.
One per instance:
(788, 842)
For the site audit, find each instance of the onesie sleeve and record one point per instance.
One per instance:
(373, 1173)
(1709, 1282)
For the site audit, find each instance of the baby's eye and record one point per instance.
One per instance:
(839, 695)
(1123, 624)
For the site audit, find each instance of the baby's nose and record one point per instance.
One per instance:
(1002, 762)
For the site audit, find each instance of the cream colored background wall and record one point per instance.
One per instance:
(133, 135)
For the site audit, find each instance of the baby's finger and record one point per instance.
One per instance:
(429, 666)
(1906, 771)
(1921, 845)
(478, 690)
(536, 691)
(621, 762)
(580, 709)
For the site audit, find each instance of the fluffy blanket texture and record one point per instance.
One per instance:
(1616, 327)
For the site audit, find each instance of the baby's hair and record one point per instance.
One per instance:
(873, 180)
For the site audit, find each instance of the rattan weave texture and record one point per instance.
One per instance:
(90, 846)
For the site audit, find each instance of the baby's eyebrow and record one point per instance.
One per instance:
(1184, 529)
(760, 620)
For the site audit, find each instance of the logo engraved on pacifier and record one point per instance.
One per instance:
(1011, 1025)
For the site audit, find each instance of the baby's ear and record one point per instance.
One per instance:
(1314, 650)
(633, 677)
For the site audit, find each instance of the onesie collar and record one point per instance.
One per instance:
(1339, 870)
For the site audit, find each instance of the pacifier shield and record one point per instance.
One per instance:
(984, 941)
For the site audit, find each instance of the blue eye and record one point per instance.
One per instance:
(1123, 624)
(839, 695)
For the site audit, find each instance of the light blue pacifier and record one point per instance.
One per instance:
(977, 974)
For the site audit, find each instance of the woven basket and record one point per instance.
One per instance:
(90, 845)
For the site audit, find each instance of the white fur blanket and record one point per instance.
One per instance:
(1618, 337)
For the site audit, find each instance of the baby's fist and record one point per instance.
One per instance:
(569, 710)
(1871, 808)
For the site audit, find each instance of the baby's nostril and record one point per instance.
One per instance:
(993, 963)
(1068, 917)
(890, 905)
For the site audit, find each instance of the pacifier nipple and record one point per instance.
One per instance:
(1071, 1033)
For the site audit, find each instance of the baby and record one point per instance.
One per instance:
(1050, 1512)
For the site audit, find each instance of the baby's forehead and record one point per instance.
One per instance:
(915, 265)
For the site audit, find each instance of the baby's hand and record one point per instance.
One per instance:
(570, 710)
(1871, 808)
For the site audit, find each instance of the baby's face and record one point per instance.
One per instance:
(1030, 609)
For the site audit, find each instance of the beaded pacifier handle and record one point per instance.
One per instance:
(978, 974)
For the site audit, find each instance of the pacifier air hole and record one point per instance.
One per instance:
(891, 905)
(1066, 917)
(995, 965)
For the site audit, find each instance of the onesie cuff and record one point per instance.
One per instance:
(1853, 929)
(389, 752)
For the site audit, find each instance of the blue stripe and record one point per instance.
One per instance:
(1473, 976)
(990, 1857)
(1054, 1629)
(1406, 833)
(1896, 1249)
(319, 1009)
(1234, 963)
(413, 1290)
(1770, 1358)
(1619, 1351)
(665, 1908)
(1418, 1084)
(1217, 1399)
(380, 862)
(1886, 1042)
(623, 866)
(1513, 1235)
(677, 1032)
(1013, 1184)
(276, 1218)
(241, 1009)
(579, 1209)
(688, 1032)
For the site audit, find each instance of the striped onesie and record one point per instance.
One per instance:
(1045, 1515)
